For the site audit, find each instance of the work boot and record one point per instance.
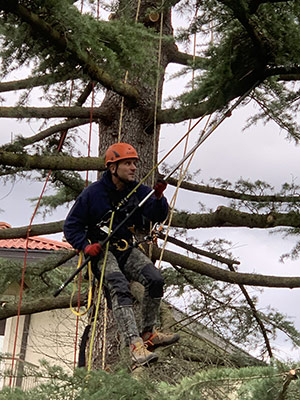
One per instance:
(156, 338)
(139, 353)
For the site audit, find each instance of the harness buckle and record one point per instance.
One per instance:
(121, 245)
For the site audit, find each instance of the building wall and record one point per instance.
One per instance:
(51, 337)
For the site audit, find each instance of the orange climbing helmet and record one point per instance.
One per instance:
(119, 151)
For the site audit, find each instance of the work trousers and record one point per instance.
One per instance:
(137, 267)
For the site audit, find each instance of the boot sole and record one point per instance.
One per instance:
(150, 359)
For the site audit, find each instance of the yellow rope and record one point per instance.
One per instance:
(104, 334)
(157, 93)
(174, 198)
(122, 111)
(182, 172)
(99, 297)
(155, 111)
(90, 294)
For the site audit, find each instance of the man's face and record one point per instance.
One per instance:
(126, 169)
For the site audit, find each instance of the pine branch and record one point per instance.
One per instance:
(255, 314)
(233, 90)
(71, 123)
(165, 116)
(34, 81)
(175, 115)
(50, 266)
(227, 276)
(241, 13)
(55, 162)
(174, 259)
(81, 56)
(75, 184)
(223, 216)
(290, 377)
(254, 4)
(182, 272)
(178, 57)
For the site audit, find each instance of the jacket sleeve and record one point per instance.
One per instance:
(75, 226)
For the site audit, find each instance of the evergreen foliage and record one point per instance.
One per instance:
(256, 43)
(114, 46)
(263, 383)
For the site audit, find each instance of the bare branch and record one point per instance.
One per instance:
(71, 123)
(35, 230)
(232, 194)
(33, 82)
(227, 276)
(55, 162)
(223, 216)
(178, 57)
(52, 112)
(284, 73)
(228, 217)
(43, 304)
(201, 252)
(255, 314)
(63, 126)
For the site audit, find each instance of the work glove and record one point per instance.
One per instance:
(93, 250)
(159, 188)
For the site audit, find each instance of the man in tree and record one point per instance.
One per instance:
(86, 225)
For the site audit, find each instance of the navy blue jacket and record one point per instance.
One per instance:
(97, 199)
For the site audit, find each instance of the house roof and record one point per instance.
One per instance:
(34, 242)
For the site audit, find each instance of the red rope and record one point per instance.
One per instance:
(23, 276)
(59, 147)
(86, 184)
(61, 142)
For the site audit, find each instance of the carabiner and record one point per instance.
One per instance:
(118, 247)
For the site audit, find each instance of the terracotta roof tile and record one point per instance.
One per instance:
(34, 242)
(4, 225)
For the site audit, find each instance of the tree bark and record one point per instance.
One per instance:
(43, 304)
(227, 276)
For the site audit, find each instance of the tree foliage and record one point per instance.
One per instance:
(264, 383)
(54, 46)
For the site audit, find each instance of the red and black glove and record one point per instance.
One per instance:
(93, 250)
(159, 188)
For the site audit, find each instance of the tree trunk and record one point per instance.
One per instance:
(137, 127)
